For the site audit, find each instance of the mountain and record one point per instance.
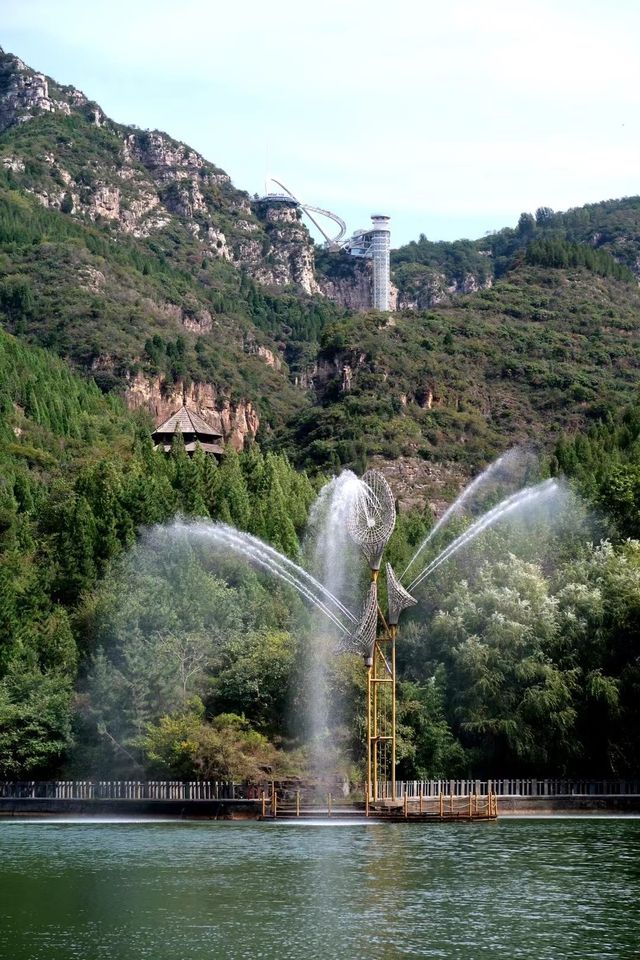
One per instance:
(63, 150)
(132, 256)
(539, 352)
(428, 273)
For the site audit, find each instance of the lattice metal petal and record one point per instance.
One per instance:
(399, 598)
(373, 517)
(363, 639)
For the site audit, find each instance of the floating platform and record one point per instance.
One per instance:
(439, 809)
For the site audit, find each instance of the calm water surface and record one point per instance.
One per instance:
(544, 889)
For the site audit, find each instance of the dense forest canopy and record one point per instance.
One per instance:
(114, 655)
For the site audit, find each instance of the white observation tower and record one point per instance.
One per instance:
(380, 244)
(374, 244)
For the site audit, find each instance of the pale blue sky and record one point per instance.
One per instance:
(452, 117)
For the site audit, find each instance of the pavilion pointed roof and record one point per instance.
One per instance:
(187, 421)
(195, 432)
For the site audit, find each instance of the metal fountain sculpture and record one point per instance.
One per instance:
(370, 525)
(370, 517)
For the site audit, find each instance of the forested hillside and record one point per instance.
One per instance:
(133, 272)
(541, 351)
(606, 234)
(79, 478)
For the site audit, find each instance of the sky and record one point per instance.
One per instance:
(451, 118)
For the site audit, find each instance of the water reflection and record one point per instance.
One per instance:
(523, 890)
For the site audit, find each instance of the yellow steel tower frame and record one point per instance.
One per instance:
(381, 713)
(370, 524)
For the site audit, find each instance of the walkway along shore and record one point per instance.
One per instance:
(426, 801)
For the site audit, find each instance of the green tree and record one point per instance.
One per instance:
(235, 505)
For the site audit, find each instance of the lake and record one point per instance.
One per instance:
(540, 889)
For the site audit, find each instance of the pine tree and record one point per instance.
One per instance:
(210, 479)
(235, 503)
(76, 547)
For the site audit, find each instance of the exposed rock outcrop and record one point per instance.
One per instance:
(289, 257)
(341, 368)
(354, 291)
(200, 321)
(26, 93)
(429, 288)
(419, 483)
(258, 350)
(235, 421)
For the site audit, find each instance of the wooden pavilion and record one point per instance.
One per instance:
(194, 431)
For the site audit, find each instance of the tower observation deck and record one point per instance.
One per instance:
(380, 246)
(373, 244)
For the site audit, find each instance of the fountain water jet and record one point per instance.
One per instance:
(517, 501)
(333, 558)
(269, 559)
(364, 510)
(501, 470)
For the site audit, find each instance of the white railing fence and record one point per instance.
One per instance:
(221, 790)
(127, 790)
(516, 787)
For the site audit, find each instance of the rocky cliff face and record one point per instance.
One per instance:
(354, 290)
(143, 182)
(288, 256)
(237, 422)
(418, 483)
(25, 93)
(431, 287)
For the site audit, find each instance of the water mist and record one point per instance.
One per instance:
(336, 561)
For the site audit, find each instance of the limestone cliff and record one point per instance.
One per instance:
(287, 257)
(237, 422)
(144, 183)
(348, 282)
(429, 288)
(351, 290)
